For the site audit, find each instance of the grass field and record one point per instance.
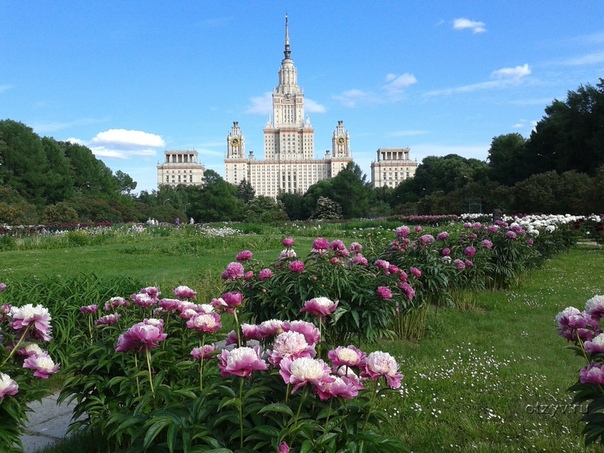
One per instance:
(489, 379)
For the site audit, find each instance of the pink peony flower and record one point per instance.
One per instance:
(384, 292)
(304, 370)
(510, 235)
(341, 386)
(320, 244)
(108, 320)
(232, 299)
(2, 288)
(116, 302)
(416, 272)
(403, 231)
(418, 229)
(426, 240)
(469, 251)
(407, 289)
(89, 309)
(233, 271)
(231, 338)
(446, 251)
(152, 291)
(143, 299)
(28, 315)
(574, 325)
(206, 352)
(382, 264)
(31, 349)
(283, 448)
(596, 345)
(378, 364)
(240, 362)
(319, 307)
(42, 365)
(459, 264)
(142, 336)
(296, 266)
(248, 275)
(592, 374)
(264, 274)
(205, 322)
(290, 345)
(250, 332)
(8, 386)
(184, 292)
(270, 328)
(171, 304)
(595, 307)
(359, 259)
(443, 235)
(287, 242)
(355, 247)
(336, 245)
(244, 255)
(468, 263)
(346, 356)
(486, 244)
(287, 254)
(309, 330)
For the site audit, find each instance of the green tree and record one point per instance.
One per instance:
(571, 134)
(294, 206)
(265, 210)
(125, 182)
(505, 159)
(350, 190)
(327, 209)
(245, 191)
(217, 200)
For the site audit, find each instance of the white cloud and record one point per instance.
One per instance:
(352, 98)
(586, 60)
(463, 23)
(512, 73)
(397, 83)
(122, 143)
(503, 78)
(4, 88)
(313, 106)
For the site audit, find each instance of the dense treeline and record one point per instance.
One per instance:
(559, 169)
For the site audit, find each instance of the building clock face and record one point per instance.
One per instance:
(235, 141)
(288, 97)
(341, 140)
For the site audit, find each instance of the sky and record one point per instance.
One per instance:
(131, 79)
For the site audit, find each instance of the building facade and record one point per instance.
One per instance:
(180, 167)
(289, 163)
(393, 165)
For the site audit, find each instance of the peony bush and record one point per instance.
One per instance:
(162, 374)
(23, 363)
(583, 329)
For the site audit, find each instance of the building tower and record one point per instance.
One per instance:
(289, 163)
(180, 167)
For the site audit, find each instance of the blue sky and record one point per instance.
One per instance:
(130, 79)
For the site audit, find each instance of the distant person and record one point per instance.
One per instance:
(497, 215)
(191, 221)
(177, 221)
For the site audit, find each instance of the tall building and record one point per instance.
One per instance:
(180, 167)
(393, 165)
(289, 163)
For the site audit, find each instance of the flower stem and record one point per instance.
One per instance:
(369, 409)
(150, 373)
(241, 413)
(202, 343)
(138, 385)
(237, 329)
(12, 352)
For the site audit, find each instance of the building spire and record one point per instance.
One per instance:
(287, 52)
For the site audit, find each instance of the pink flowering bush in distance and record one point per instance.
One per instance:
(173, 382)
(354, 297)
(583, 330)
(24, 364)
